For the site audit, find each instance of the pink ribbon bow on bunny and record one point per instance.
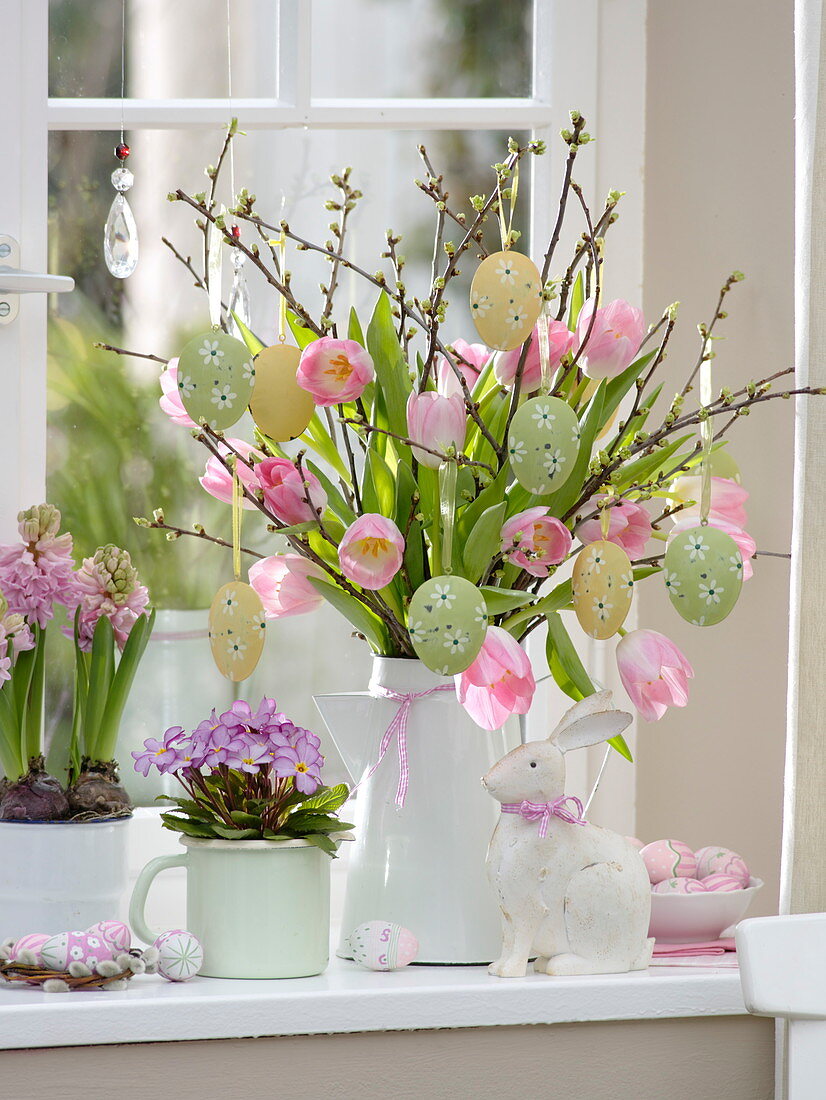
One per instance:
(544, 811)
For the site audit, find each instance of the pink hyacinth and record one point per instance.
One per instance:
(291, 497)
(217, 480)
(499, 683)
(371, 551)
(614, 340)
(282, 583)
(107, 584)
(727, 499)
(470, 359)
(745, 543)
(535, 541)
(436, 422)
(654, 672)
(334, 371)
(37, 572)
(629, 527)
(170, 401)
(560, 341)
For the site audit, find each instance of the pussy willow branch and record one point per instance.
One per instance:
(460, 459)
(606, 219)
(131, 354)
(162, 525)
(573, 149)
(641, 383)
(434, 190)
(706, 330)
(349, 197)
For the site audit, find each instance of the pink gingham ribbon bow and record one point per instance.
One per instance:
(544, 811)
(398, 728)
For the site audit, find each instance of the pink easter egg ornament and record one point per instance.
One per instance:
(678, 886)
(382, 945)
(115, 931)
(180, 955)
(715, 860)
(668, 859)
(33, 941)
(723, 884)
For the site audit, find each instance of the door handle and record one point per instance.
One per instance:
(14, 281)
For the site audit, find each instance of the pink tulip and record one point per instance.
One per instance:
(499, 683)
(473, 359)
(283, 585)
(371, 551)
(615, 338)
(218, 481)
(171, 402)
(534, 541)
(727, 498)
(654, 672)
(629, 527)
(745, 543)
(334, 371)
(560, 340)
(436, 422)
(287, 494)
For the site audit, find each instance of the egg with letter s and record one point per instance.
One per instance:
(216, 376)
(543, 443)
(505, 299)
(382, 945)
(603, 587)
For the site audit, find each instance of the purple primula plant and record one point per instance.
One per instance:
(248, 775)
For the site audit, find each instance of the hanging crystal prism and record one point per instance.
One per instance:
(120, 236)
(239, 296)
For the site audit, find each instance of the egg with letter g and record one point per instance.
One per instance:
(505, 299)
(703, 574)
(543, 443)
(216, 376)
(382, 945)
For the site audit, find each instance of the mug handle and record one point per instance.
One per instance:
(137, 905)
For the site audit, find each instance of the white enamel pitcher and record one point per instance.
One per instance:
(421, 865)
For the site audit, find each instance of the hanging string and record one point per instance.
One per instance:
(448, 472)
(706, 435)
(237, 513)
(282, 301)
(229, 97)
(544, 349)
(506, 230)
(122, 65)
(214, 258)
(605, 514)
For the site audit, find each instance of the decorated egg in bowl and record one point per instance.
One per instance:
(696, 917)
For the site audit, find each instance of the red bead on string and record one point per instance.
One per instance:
(236, 233)
(122, 151)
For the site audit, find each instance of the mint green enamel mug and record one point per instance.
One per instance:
(261, 908)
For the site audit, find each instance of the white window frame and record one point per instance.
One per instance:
(589, 54)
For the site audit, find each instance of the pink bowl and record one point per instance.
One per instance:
(695, 918)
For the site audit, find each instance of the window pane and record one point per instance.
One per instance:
(422, 48)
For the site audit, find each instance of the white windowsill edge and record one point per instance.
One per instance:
(348, 999)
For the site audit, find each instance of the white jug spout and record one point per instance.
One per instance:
(346, 715)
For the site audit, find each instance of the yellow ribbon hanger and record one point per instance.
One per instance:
(505, 230)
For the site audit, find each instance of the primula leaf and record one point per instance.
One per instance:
(226, 833)
(189, 828)
(361, 617)
(391, 368)
(322, 842)
(240, 817)
(569, 672)
(327, 799)
(483, 542)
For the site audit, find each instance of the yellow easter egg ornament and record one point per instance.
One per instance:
(603, 587)
(237, 630)
(506, 299)
(279, 406)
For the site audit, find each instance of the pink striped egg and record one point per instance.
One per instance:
(382, 945)
(679, 886)
(67, 947)
(714, 860)
(722, 883)
(31, 942)
(668, 859)
(115, 931)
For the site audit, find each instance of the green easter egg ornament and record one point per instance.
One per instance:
(703, 573)
(215, 379)
(447, 623)
(543, 443)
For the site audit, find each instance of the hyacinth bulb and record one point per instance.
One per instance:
(120, 237)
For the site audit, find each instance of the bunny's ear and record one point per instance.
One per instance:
(589, 722)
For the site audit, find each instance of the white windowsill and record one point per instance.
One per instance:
(345, 998)
(349, 999)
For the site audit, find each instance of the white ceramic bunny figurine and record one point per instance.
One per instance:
(572, 894)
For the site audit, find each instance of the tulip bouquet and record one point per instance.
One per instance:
(406, 480)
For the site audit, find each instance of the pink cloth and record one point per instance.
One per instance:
(686, 950)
